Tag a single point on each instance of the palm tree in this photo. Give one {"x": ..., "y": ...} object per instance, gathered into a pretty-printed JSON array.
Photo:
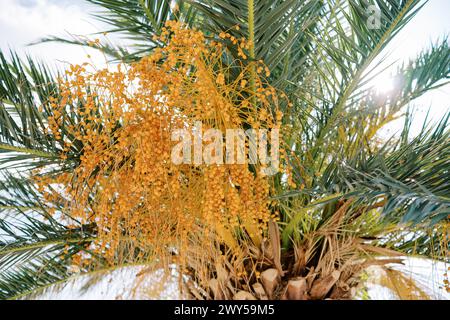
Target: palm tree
[{"x": 353, "y": 196}]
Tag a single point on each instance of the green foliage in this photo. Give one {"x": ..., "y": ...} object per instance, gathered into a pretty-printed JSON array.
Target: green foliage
[
  {"x": 323, "y": 55},
  {"x": 35, "y": 248}
]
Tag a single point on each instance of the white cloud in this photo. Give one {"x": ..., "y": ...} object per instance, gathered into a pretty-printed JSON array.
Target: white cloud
[{"x": 25, "y": 21}]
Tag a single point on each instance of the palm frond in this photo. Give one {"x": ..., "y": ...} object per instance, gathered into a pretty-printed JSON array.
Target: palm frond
[
  {"x": 35, "y": 248},
  {"x": 413, "y": 178},
  {"x": 137, "y": 21},
  {"x": 345, "y": 49}
]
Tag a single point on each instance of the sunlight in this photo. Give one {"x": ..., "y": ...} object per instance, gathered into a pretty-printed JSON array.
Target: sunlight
[
  {"x": 383, "y": 84},
  {"x": 224, "y": 150}
]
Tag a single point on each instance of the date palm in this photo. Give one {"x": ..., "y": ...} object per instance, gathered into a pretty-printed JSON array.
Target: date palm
[{"x": 355, "y": 196}]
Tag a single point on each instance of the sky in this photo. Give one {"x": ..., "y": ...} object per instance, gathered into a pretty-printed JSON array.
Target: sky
[
  {"x": 25, "y": 21},
  {"x": 427, "y": 27}
]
